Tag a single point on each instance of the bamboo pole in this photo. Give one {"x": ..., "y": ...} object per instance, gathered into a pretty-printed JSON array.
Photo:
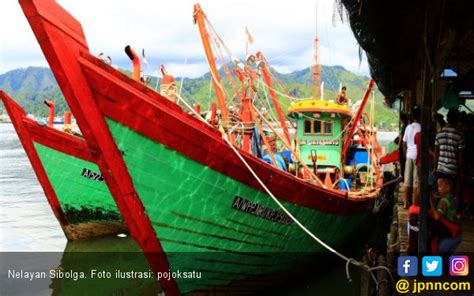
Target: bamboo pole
[
  {"x": 273, "y": 96},
  {"x": 265, "y": 140},
  {"x": 199, "y": 17}
]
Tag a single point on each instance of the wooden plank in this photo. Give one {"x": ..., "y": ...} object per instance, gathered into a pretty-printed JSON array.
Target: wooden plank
[
  {"x": 402, "y": 215},
  {"x": 467, "y": 236},
  {"x": 467, "y": 227},
  {"x": 402, "y": 229}
]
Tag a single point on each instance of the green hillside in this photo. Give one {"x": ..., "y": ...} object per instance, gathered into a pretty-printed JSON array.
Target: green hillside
[{"x": 32, "y": 85}]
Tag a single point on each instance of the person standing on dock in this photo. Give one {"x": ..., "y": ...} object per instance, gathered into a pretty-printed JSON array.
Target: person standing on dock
[
  {"x": 449, "y": 153},
  {"x": 411, "y": 173},
  {"x": 401, "y": 151},
  {"x": 437, "y": 124}
]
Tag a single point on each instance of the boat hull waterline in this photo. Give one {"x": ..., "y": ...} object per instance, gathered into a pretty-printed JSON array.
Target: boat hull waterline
[{"x": 69, "y": 176}]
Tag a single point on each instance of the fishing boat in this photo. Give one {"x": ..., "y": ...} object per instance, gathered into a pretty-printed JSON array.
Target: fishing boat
[
  {"x": 67, "y": 170},
  {"x": 193, "y": 198}
]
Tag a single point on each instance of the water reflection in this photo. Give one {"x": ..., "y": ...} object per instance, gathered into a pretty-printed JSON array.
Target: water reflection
[
  {"x": 104, "y": 266},
  {"x": 111, "y": 266}
]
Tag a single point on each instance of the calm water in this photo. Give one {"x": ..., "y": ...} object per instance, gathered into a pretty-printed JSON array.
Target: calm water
[{"x": 27, "y": 224}]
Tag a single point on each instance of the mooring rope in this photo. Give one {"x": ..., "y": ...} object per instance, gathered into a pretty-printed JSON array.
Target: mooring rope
[{"x": 284, "y": 209}]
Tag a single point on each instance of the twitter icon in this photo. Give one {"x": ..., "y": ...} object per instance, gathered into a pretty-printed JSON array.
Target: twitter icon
[{"x": 432, "y": 266}]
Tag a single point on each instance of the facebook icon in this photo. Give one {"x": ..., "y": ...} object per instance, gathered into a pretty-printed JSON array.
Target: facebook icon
[{"x": 407, "y": 266}]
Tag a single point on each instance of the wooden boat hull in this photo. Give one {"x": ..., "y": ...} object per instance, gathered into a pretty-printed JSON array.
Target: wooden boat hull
[
  {"x": 233, "y": 231},
  {"x": 69, "y": 175},
  {"x": 188, "y": 200}
]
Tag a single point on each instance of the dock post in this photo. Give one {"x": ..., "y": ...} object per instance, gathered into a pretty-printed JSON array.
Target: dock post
[
  {"x": 392, "y": 246},
  {"x": 382, "y": 278},
  {"x": 365, "y": 283}
]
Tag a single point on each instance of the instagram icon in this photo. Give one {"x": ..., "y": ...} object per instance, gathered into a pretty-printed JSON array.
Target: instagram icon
[{"x": 459, "y": 265}]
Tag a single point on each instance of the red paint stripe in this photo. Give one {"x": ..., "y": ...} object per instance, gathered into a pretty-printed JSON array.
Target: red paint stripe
[
  {"x": 61, "y": 38},
  {"x": 60, "y": 141},
  {"x": 187, "y": 135},
  {"x": 17, "y": 115}
]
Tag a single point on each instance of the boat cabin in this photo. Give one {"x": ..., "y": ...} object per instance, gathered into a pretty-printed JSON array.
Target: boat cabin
[{"x": 319, "y": 138}]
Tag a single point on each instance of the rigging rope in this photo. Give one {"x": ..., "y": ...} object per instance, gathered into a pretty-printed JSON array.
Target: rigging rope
[
  {"x": 284, "y": 209},
  {"x": 182, "y": 78},
  {"x": 295, "y": 220}
]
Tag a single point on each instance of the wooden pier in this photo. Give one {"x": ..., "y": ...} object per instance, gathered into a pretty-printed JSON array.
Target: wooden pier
[{"x": 399, "y": 243}]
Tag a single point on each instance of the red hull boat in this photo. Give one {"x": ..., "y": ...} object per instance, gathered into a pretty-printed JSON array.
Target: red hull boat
[
  {"x": 67, "y": 171},
  {"x": 179, "y": 186}
]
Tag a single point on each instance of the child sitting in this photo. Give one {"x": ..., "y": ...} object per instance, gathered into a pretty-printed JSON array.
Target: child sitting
[{"x": 445, "y": 231}]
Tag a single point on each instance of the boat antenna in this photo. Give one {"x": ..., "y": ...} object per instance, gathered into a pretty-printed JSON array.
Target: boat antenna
[{"x": 316, "y": 67}]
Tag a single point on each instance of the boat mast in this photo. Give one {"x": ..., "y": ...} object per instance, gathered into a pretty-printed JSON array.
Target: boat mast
[
  {"x": 246, "y": 78},
  {"x": 199, "y": 18},
  {"x": 355, "y": 121},
  {"x": 316, "y": 67},
  {"x": 268, "y": 81}
]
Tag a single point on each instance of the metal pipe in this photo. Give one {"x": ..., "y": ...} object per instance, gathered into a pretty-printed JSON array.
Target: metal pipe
[
  {"x": 136, "y": 62},
  {"x": 50, "y": 105}
]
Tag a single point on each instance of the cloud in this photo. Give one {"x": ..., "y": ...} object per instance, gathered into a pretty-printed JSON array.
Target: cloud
[{"x": 283, "y": 31}]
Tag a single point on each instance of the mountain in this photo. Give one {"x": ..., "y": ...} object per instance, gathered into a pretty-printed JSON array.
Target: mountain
[{"x": 32, "y": 85}]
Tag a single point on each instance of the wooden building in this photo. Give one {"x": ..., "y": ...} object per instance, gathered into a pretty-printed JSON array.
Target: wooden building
[{"x": 410, "y": 47}]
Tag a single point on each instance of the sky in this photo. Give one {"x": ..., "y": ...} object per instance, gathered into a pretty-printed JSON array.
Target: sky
[{"x": 283, "y": 30}]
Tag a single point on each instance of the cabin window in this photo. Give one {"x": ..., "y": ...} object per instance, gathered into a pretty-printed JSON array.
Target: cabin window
[
  {"x": 307, "y": 127},
  {"x": 328, "y": 127},
  {"x": 317, "y": 126}
]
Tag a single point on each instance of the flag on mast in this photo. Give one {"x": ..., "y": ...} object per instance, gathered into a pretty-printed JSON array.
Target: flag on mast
[{"x": 249, "y": 36}]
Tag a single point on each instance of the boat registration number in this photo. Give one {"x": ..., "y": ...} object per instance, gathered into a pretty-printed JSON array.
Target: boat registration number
[{"x": 253, "y": 208}]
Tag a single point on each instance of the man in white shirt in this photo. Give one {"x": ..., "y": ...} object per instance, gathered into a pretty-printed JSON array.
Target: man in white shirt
[{"x": 411, "y": 172}]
